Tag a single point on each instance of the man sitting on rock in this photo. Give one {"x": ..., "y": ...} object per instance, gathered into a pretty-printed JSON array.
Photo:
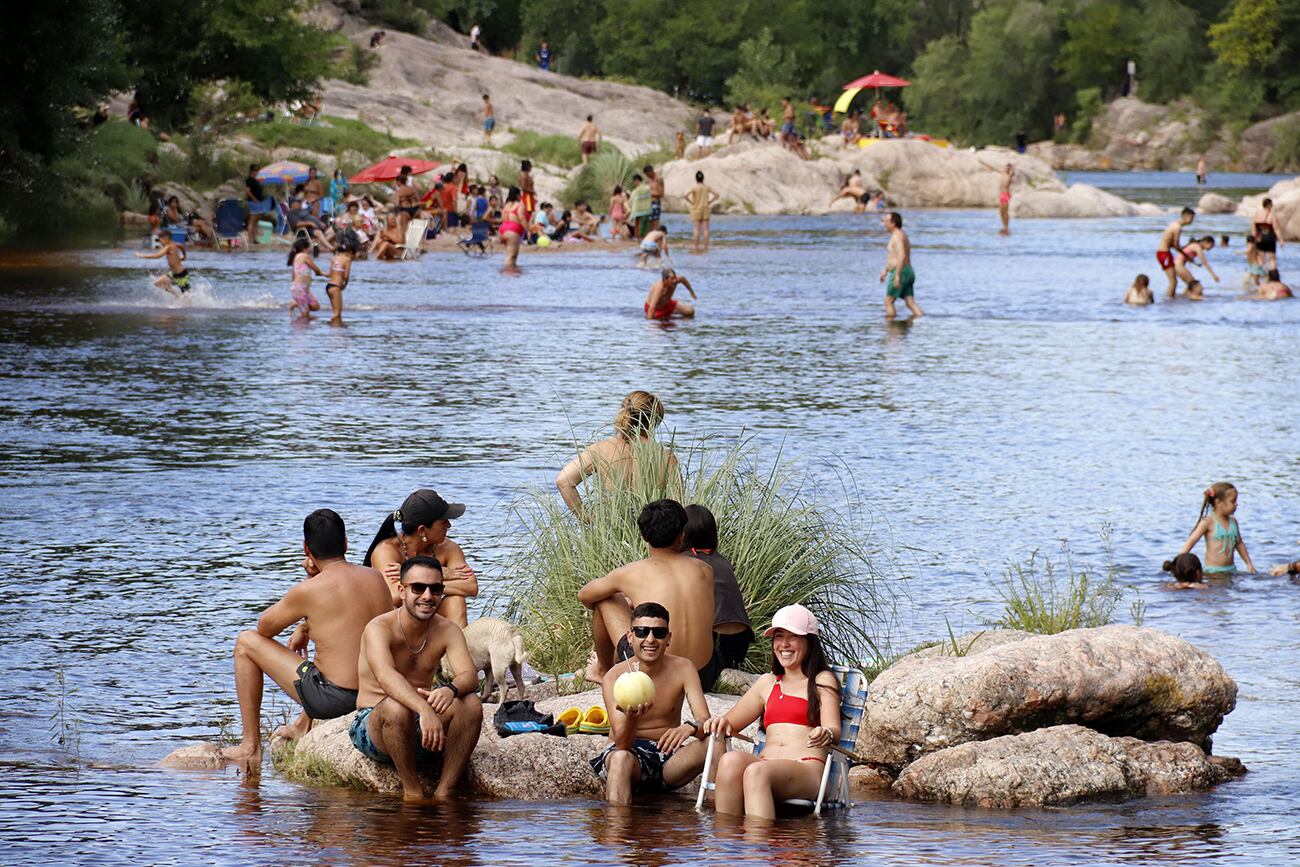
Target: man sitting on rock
[
  {"x": 681, "y": 584},
  {"x": 649, "y": 753},
  {"x": 335, "y": 603},
  {"x": 403, "y": 720}
]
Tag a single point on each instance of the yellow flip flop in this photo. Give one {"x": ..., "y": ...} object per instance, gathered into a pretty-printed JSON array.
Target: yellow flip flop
[
  {"x": 594, "y": 722},
  {"x": 571, "y": 719}
]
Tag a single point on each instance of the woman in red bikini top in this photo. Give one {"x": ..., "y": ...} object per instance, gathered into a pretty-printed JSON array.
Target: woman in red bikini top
[{"x": 801, "y": 722}]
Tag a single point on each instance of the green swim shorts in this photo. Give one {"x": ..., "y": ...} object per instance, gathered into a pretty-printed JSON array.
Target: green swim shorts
[{"x": 902, "y": 287}]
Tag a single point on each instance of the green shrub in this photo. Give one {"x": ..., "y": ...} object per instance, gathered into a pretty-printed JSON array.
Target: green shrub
[
  {"x": 1089, "y": 106},
  {"x": 1036, "y": 599},
  {"x": 1285, "y": 155},
  {"x": 551, "y": 150},
  {"x": 334, "y": 136},
  {"x": 596, "y": 182},
  {"x": 351, "y": 62},
  {"x": 785, "y": 544},
  {"x": 119, "y": 148}
]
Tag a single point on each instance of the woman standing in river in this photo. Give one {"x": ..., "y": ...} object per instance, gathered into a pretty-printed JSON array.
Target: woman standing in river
[
  {"x": 1267, "y": 233},
  {"x": 621, "y": 460}
]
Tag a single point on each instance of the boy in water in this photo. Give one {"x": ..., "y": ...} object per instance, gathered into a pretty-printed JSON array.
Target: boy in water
[
  {"x": 655, "y": 243},
  {"x": 649, "y": 753},
  {"x": 1171, "y": 239},
  {"x": 660, "y": 304},
  {"x": 898, "y": 266},
  {"x": 177, "y": 281}
]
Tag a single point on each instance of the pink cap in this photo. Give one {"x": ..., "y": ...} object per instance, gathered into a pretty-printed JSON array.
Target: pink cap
[{"x": 795, "y": 619}]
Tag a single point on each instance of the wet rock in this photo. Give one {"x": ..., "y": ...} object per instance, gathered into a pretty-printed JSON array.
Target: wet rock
[
  {"x": 1213, "y": 203},
  {"x": 1119, "y": 680},
  {"x": 195, "y": 757},
  {"x": 1080, "y": 200},
  {"x": 1057, "y": 765},
  {"x": 531, "y": 767}
]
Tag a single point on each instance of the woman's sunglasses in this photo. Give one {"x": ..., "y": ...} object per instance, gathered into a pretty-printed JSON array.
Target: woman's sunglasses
[{"x": 660, "y": 632}]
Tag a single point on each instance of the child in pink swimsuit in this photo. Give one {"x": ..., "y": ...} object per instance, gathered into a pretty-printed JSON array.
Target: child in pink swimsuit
[{"x": 303, "y": 264}]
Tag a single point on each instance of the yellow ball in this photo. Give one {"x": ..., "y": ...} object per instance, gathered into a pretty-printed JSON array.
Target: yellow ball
[
  {"x": 543, "y": 241},
  {"x": 633, "y": 689}
]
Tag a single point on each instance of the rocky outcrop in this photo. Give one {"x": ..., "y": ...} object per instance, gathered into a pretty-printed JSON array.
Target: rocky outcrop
[
  {"x": 1286, "y": 206},
  {"x": 1080, "y": 200},
  {"x": 1213, "y": 203},
  {"x": 1059, "y": 765},
  {"x": 1119, "y": 680},
  {"x": 969, "y": 644},
  {"x": 532, "y": 767}
]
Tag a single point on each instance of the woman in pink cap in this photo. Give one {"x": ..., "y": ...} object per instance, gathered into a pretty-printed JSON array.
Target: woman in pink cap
[{"x": 801, "y": 722}]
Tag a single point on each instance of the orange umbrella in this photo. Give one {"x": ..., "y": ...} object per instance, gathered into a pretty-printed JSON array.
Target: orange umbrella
[{"x": 389, "y": 168}]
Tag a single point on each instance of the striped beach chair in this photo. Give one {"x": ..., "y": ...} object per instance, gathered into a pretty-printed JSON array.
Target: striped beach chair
[{"x": 834, "y": 790}]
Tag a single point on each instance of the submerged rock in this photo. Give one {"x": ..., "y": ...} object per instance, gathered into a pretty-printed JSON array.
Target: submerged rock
[
  {"x": 1059, "y": 765},
  {"x": 1119, "y": 680},
  {"x": 195, "y": 757}
]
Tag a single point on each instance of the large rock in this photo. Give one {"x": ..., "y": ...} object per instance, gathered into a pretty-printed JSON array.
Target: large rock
[
  {"x": 1119, "y": 680},
  {"x": 917, "y": 174},
  {"x": 759, "y": 178},
  {"x": 1213, "y": 203},
  {"x": 531, "y": 767},
  {"x": 1059, "y": 765},
  {"x": 1286, "y": 206},
  {"x": 1080, "y": 200}
]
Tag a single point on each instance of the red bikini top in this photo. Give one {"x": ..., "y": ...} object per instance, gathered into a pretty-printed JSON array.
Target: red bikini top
[{"x": 782, "y": 708}]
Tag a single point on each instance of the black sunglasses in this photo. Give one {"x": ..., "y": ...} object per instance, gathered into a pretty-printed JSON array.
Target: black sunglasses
[
  {"x": 420, "y": 588},
  {"x": 660, "y": 632}
]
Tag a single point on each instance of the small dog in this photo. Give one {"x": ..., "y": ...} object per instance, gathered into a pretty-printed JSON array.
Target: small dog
[{"x": 496, "y": 646}]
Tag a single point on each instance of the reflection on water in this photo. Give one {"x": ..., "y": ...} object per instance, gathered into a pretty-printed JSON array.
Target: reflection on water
[{"x": 157, "y": 459}]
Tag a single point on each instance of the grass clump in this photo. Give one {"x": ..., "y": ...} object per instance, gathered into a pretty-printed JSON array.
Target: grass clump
[
  {"x": 596, "y": 182},
  {"x": 551, "y": 150},
  {"x": 334, "y": 136},
  {"x": 308, "y": 769},
  {"x": 786, "y": 545},
  {"x": 1047, "y": 597}
]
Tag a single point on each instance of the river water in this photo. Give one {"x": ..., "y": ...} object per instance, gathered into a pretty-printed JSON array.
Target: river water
[{"x": 157, "y": 459}]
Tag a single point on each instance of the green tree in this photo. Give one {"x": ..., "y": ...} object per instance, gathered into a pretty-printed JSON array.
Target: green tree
[
  {"x": 1256, "y": 46},
  {"x": 501, "y": 20},
  {"x": 1101, "y": 38},
  {"x": 937, "y": 96},
  {"x": 1172, "y": 53},
  {"x": 766, "y": 73}
]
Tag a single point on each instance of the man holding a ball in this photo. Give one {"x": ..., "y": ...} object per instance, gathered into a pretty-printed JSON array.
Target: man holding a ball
[{"x": 650, "y": 753}]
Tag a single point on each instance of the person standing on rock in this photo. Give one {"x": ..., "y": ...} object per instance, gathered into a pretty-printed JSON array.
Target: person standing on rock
[
  {"x": 1004, "y": 198},
  {"x": 1268, "y": 235},
  {"x": 898, "y": 267},
  {"x": 402, "y": 720},
  {"x": 1171, "y": 240},
  {"x": 588, "y": 140},
  {"x": 704, "y": 133},
  {"x": 331, "y": 607},
  {"x": 700, "y": 199},
  {"x": 649, "y": 753},
  {"x": 656, "y": 183},
  {"x": 489, "y": 119},
  {"x": 788, "y": 137},
  {"x": 544, "y": 56},
  {"x": 474, "y": 33}
]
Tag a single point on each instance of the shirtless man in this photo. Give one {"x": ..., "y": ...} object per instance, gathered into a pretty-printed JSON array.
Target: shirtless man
[
  {"x": 588, "y": 139},
  {"x": 527, "y": 192},
  {"x": 402, "y": 719},
  {"x": 1171, "y": 240},
  {"x": 1189, "y": 254},
  {"x": 406, "y": 200},
  {"x": 312, "y": 192},
  {"x": 656, "y": 183},
  {"x": 854, "y": 190},
  {"x": 649, "y": 753},
  {"x": 898, "y": 266},
  {"x": 1004, "y": 199},
  {"x": 332, "y": 607},
  {"x": 788, "y": 137},
  {"x": 680, "y": 583},
  {"x": 489, "y": 118},
  {"x": 739, "y": 125},
  {"x": 660, "y": 304},
  {"x": 177, "y": 280}
]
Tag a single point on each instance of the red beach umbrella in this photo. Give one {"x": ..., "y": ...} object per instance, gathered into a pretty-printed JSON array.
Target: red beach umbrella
[
  {"x": 389, "y": 168},
  {"x": 877, "y": 80}
]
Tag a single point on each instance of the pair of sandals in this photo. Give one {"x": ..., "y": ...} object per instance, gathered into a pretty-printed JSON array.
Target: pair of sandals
[{"x": 594, "y": 721}]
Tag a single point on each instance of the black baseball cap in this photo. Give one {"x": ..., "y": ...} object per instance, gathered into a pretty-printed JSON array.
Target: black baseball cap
[{"x": 425, "y": 507}]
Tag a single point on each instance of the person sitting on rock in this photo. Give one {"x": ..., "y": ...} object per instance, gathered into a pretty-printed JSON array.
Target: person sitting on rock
[
  {"x": 680, "y": 583},
  {"x": 336, "y": 601},
  {"x": 403, "y": 720},
  {"x": 800, "y": 707},
  {"x": 732, "y": 632},
  {"x": 649, "y": 752}
]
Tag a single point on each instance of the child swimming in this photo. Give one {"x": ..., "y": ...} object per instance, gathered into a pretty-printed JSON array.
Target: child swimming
[
  {"x": 1139, "y": 294},
  {"x": 303, "y": 264},
  {"x": 177, "y": 280},
  {"x": 1186, "y": 569},
  {"x": 1222, "y": 536}
]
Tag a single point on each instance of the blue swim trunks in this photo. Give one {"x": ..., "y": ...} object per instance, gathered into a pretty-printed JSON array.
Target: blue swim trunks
[
  {"x": 359, "y": 732},
  {"x": 489, "y": 123}
]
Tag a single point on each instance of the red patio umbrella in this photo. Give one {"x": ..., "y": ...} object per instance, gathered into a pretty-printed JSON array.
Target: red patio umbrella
[
  {"x": 389, "y": 168},
  {"x": 877, "y": 80}
]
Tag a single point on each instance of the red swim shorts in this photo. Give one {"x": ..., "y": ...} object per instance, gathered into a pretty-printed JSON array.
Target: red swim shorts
[
  {"x": 662, "y": 312},
  {"x": 589, "y": 147},
  {"x": 1165, "y": 258},
  {"x": 1004, "y": 198}
]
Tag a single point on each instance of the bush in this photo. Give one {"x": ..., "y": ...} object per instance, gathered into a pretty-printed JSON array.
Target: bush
[
  {"x": 786, "y": 547},
  {"x": 1035, "y": 600},
  {"x": 551, "y": 150},
  {"x": 1285, "y": 155},
  {"x": 1089, "y": 106},
  {"x": 334, "y": 136},
  {"x": 352, "y": 62},
  {"x": 119, "y": 148},
  {"x": 596, "y": 182}
]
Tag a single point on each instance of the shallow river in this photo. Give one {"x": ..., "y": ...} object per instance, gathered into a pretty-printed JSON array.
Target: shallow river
[{"x": 157, "y": 460}]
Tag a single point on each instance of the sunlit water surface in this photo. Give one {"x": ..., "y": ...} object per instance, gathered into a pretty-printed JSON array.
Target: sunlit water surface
[{"x": 158, "y": 457}]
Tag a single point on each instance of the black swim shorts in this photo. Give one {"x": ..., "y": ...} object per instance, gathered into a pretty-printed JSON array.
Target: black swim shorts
[
  {"x": 651, "y": 778},
  {"x": 320, "y": 698}
]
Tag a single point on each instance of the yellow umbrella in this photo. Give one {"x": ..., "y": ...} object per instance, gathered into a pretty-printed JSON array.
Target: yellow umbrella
[{"x": 842, "y": 104}]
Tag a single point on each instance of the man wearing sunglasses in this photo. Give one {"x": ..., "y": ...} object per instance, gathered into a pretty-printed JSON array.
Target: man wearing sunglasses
[
  {"x": 649, "y": 753},
  {"x": 681, "y": 584},
  {"x": 403, "y": 720},
  {"x": 338, "y": 599}
]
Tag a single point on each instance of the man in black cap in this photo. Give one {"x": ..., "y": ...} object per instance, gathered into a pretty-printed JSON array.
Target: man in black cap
[
  {"x": 417, "y": 529},
  {"x": 338, "y": 599}
]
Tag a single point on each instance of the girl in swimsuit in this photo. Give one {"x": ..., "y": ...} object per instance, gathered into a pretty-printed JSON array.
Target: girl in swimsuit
[
  {"x": 341, "y": 272},
  {"x": 617, "y": 215},
  {"x": 1222, "y": 535},
  {"x": 303, "y": 264},
  {"x": 800, "y": 706},
  {"x": 513, "y": 219}
]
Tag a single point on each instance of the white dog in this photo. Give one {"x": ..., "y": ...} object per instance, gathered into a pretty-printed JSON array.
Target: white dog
[{"x": 496, "y": 646}]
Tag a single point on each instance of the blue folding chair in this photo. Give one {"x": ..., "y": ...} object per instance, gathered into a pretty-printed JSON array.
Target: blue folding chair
[
  {"x": 480, "y": 236},
  {"x": 833, "y": 793},
  {"x": 228, "y": 221}
]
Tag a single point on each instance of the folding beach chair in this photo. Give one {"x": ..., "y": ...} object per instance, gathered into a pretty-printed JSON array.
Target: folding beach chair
[
  {"x": 476, "y": 244},
  {"x": 228, "y": 222},
  {"x": 834, "y": 790},
  {"x": 414, "y": 236}
]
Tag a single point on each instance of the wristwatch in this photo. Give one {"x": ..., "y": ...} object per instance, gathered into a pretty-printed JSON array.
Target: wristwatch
[{"x": 452, "y": 686}]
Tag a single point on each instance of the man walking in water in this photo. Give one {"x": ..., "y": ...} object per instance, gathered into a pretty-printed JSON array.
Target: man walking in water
[
  {"x": 1171, "y": 242},
  {"x": 336, "y": 601},
  {"x": 403, "y": 720},
  {"x": 1004, "y": 199},
  {"x": 898, "y": 267},
  {"x": 588, "y": 139}
]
